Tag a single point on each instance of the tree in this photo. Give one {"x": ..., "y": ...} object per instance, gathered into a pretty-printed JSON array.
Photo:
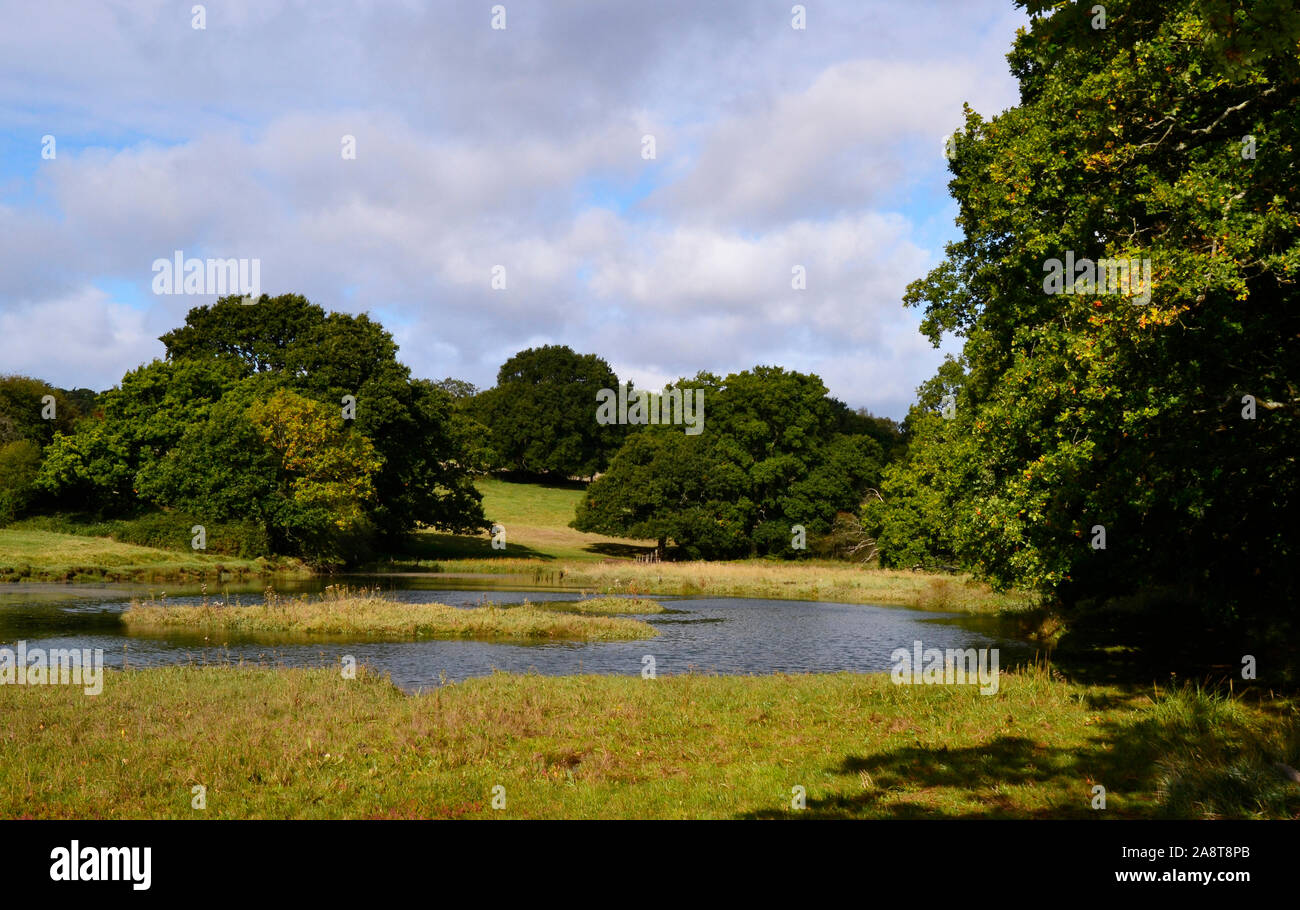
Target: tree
[
  {"x": 20, "y": 461},
  {"x": 327, "y": 466},
  {"x": 1167, "y": 138},
  {"x": 770, "y": 457},
  {"x": 425, "y": 477},
  {"x": 664, "y": 484},
  {"x": 261, "y": 336},
  {"x": 542, "y": 413},
  {"x": 137, "y": 423},
  {"x": 279, "y": 413},
  {"x": 24, "y": 404}
]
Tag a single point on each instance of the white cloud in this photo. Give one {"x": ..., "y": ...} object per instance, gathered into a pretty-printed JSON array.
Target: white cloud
[
  {"x": 476, "y": 148},
  {"x": 84, "y": 339}
]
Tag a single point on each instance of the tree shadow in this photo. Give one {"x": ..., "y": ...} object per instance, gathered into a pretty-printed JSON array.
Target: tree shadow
[
  {"x": 1124, "y": 758},
  {"x": 619, "y": 550},
  {"x": 432, "y": 546}
]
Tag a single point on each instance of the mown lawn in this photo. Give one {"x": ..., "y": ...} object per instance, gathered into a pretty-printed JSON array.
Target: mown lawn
[{"x": 272, "y": 743}]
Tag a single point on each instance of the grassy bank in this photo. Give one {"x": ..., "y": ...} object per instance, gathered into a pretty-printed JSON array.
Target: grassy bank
[
  {"x": 307, "y": 743},
  {"x": 758, "y": 578},
  {"x": 36, "y": 555},
  {"x": 367, "y": 615}
]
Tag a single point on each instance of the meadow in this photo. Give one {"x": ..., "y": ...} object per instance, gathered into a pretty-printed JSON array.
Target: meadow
[{"x": 292, "y": 743}]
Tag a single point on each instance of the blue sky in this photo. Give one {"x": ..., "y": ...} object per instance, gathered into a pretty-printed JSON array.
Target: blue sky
[{"x": 479, "y": 147}]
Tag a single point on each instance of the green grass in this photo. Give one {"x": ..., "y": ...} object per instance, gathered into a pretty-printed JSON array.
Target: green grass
[
  {"x": 804, "y": 580},
  {"x": 368, "y": 615},
  {"x": 35, "y": 555},
  {"x": 536, "y": 518},
  {"x": 310, "y": 744},
  {"x": 637, "y": 606}
]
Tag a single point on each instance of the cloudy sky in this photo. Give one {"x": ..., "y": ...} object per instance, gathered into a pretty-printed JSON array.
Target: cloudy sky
[{"x": 478, "y": 147}]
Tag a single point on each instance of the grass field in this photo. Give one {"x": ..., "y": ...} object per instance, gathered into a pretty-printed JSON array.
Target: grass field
[
  {"x": 368, "y": 615},
  {"x": 536, "y": 520},
  {"x": 813, "y": 580},
  {"x": 32, "y": 555},
  {"x": 310, "y": 744}
]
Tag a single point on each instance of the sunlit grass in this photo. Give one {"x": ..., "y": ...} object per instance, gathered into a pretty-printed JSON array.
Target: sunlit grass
[
  {"x": 309, "y": 743},
  {"x": 628, "y": 605},
  {"x": 828, "y": 581},
  {"x": 33, "y": 555}
]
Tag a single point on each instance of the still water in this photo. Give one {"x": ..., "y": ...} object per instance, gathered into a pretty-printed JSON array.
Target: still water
[{"x": 699, "y": 634}]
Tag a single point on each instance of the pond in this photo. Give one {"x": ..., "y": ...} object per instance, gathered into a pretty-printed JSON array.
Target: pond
[{"x": 697, "y": 634}]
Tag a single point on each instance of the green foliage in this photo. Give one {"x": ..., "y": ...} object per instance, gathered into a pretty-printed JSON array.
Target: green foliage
[
  {"x": 425, "y": 477},
  {"x": 262, "y": 337},
  {"x": 245, "y": 421},
  {"x": 20, "y": 461},
  {"x": 163, "y": 530},
  {"x": 1092, "y": 409},
  {"x": 22, "y": 408},
  {"x": 139, "y": 421},
  {"x": 220, "y": 467},
  {"x": 542, "y": 413},
  {"x": 770, "y": 457}
]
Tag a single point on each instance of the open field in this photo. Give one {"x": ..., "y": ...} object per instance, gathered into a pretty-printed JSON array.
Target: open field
[
  {"x": 539, "y": 545},
  {"x": 365, "y": 615},
  {"x": 32, "y": 555},
  {"x": 536, "y": 518},
  {"x": 309, "y": 744}
]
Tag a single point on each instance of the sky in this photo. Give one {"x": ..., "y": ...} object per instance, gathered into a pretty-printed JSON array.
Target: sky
[{"x": 476, "y": 147}]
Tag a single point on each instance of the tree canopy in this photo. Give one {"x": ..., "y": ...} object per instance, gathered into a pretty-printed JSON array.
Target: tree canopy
[
  {"x": 540, "y": 413},
  {"x": 771, "y": 456},
  {"x": 280, "y": 413},
  {"x": 1104, "y": 442}
]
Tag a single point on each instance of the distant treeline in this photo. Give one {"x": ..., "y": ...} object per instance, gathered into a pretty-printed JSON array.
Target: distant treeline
[{"x": 281, "y": 423}]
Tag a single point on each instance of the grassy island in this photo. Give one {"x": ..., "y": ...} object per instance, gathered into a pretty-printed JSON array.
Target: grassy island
[{"x": 368, "y": 614}]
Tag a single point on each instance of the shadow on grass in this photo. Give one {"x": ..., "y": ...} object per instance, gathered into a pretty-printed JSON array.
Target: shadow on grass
[
  {"x": 1195, "y": 761},
  {"x": 540, "y": 480},
  {"x": 1006, "y": 761},
  {"x": 618, "y": 550},
  {"x": 432, "y": 546}
]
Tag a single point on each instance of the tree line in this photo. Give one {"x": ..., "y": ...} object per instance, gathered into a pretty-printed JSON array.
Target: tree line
[{"x": 299, "y": 432}]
